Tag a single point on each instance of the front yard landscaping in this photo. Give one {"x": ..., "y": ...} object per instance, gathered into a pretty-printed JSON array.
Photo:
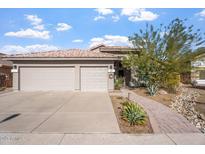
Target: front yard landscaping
[
  {"x": 141, "y": 126},
  {"x": 163, "y": 98},
  {"x": 188, "y": 101},
  {"x": 166, "y": 98}
]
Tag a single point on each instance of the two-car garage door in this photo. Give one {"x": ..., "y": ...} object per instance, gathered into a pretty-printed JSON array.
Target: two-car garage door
[
  {"x": 47, "y": 78},
  {"x": 63, "y": 78}
]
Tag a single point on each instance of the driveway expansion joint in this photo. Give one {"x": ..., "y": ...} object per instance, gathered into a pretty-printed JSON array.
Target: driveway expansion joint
[
  {"x": 53, "y": 113},
  {"x": 171, "y": 139},
  {"x": 61, "y": 139}
]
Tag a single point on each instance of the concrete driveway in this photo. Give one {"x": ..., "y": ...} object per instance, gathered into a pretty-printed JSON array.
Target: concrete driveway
[{"x": 57, "y": 112}]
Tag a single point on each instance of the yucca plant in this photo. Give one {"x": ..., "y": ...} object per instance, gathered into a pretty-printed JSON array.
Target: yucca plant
[{"x": 133, "y": 113}]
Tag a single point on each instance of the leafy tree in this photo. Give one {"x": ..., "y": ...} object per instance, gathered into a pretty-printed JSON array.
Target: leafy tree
[{"x": 164, "y": 53}]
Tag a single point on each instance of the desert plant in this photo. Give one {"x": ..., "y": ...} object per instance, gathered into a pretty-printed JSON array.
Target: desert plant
[
  {"x": 171, "y": 82},
  {"x": 133, "y": 113},
  {"x": 119, "y": 83},
  {"x": 152, "y": 89}
]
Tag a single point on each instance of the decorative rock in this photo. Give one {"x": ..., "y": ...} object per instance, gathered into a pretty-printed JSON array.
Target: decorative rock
[
  {"x": 185, "y": 105},
  {"x": 198, "y": 125},
  {"x": 202, "y": 116},
  {"x": 162, "y": 92}
]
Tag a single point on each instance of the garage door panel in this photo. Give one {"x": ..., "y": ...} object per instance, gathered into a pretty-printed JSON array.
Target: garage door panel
[
  {"x": 59, "y": 78},
  {"x": 94, "y": 79}
]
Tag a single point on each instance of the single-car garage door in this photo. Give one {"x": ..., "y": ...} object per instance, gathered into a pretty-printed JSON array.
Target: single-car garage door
[
  {"x": 94, "y": 79},
  {"x": 47, "y": 78}
]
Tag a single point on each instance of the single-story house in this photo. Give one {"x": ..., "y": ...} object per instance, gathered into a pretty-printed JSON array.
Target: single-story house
[
  {"x": 74, "y": 69},
  {"x": 5, "y": 72},
  {"x": 198, "y": 71}
]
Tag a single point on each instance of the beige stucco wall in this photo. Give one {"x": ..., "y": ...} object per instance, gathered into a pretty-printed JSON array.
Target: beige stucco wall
[
  {"x": 195, "y": 73},
  {"x": 76, "y": 64},
  {"x": 196, "y": 70},
  {"x": 15, "y": 81}
]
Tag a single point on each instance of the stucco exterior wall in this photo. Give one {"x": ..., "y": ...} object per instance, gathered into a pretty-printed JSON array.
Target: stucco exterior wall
[
  {"x": 15, "y": 81},
  {"x": 76, "y": 64},
  {"x": 198, "y": 66}
]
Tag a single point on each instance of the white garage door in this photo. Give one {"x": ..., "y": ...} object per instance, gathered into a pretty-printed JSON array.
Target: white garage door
[
  {"x": 47, "y": 78},
  {"x": 94, "y": 79}
]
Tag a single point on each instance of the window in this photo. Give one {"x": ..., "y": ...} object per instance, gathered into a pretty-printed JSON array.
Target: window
[{"x": 202, "y": 74}]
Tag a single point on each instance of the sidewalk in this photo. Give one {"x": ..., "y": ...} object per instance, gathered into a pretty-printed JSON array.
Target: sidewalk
[{"x": 102, "y": 139}]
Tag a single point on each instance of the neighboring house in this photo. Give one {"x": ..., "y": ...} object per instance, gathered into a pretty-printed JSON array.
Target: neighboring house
[
  {"x": 5, "y": 72},
  {"x": 74, "y": 69},
  {"x": 198, "y": 71}
]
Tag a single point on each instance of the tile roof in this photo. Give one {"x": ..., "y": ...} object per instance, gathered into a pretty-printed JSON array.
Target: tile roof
[
  {"x": 71, "y": 53},
  {"x": 5, "y": 63},
  {"x": 118, "y": 47}
]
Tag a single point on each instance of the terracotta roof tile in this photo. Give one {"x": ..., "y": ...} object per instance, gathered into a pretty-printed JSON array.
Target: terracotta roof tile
[
  {"x": 71, "y": 53},
  {"x": 5, "y": 63}
]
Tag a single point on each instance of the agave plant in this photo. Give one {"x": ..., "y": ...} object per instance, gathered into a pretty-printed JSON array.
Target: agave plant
[
  {"x": 133, "y": 113},
  {"x": 152, "y": 89}
]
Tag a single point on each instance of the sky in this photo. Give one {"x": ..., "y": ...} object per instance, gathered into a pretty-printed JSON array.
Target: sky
[{"x": 34, "y": 30}]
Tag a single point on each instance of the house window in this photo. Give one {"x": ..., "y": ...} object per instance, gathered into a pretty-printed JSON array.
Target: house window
[{"x": 202, "y": 74}]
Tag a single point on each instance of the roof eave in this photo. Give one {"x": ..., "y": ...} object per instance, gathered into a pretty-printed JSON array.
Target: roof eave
[
  {"x": 107, "y": 49},
  {"x": 61, "y": 58},
  {"x": 6, "y": 66}
]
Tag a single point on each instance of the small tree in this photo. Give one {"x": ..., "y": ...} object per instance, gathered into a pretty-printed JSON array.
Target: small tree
[{"x": 164, "y": 53}]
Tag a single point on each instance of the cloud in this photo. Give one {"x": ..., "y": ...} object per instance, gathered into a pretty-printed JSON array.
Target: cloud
[
  {"x": 115, "y": 18},
  {"x": 77, "y": 41},
  {"x": 99, "y": 18},
  {"x": 29, "y": 33},
  {"x": 37, "y": 31},
  {"x": 35, "y": 21},
  {"x": 201, "y": 15},
  {"x": 63, "y": 27},
  {"x": 39, "y": 27},
  {"x": 136, "y": 15},
  {"x": 112, "y": 40},
  {"x": 16, "y": 49},
  {"x": 104, "y": 11}
]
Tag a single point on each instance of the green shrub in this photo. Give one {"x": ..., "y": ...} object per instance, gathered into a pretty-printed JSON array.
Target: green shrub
[
  {"x": 171, "y": 82},
  {"x": 133, "y": 113},
  {"x": 119, "y": 83}
]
